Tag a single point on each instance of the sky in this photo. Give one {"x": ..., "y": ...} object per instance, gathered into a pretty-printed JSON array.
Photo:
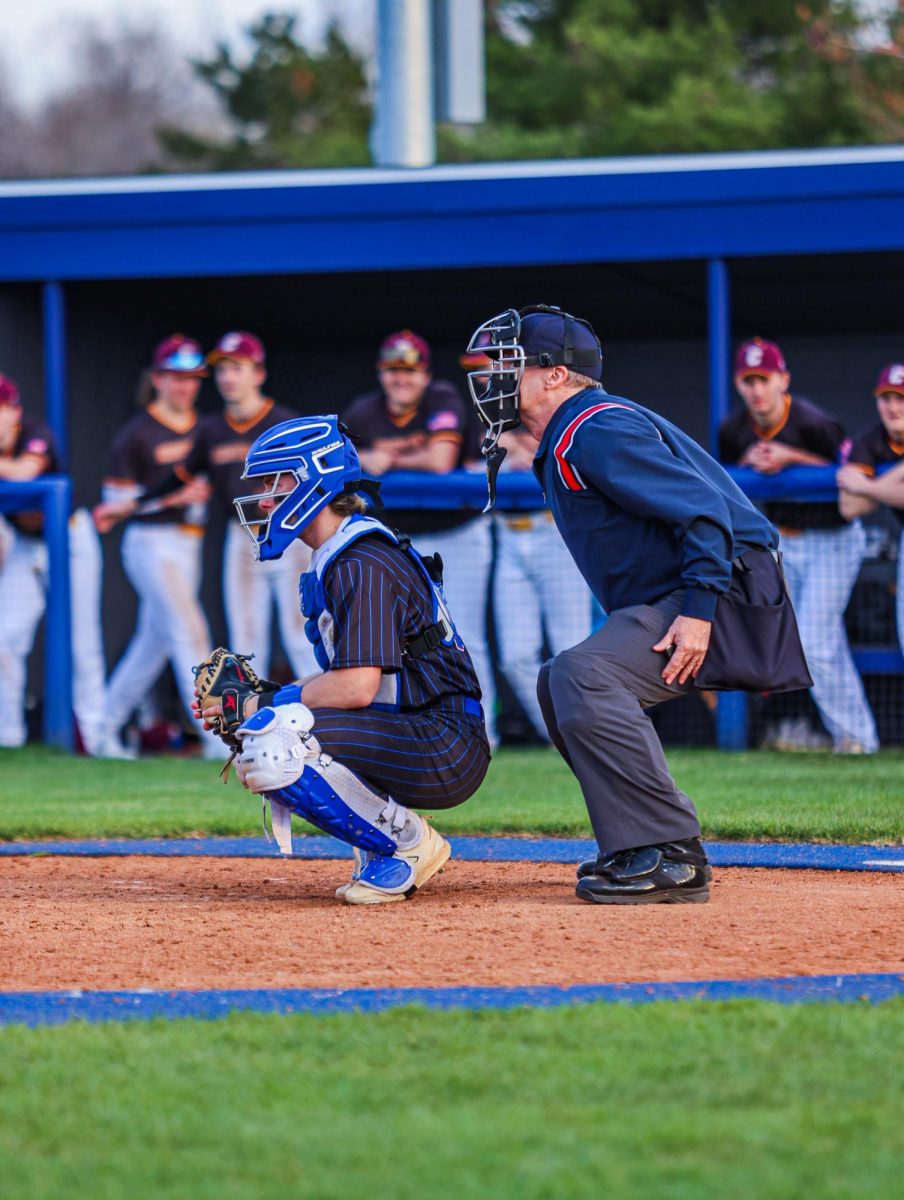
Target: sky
[{"x": 34, "y": 50}]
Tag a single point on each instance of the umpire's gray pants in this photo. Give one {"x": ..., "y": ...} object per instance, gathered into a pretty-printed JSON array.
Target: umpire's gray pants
[{"x": 592, "y": 697}]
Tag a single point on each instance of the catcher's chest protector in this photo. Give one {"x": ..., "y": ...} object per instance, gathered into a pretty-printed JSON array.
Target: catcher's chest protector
[{"x": 321, "y": 627}]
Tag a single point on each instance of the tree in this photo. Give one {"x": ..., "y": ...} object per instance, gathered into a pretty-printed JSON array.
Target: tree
[
  {"x": 608, "y": 77},
  {"x": 102, "y": 120},
  {"x": 287, "y": 106},
  {"x": 14, "y": 153}
]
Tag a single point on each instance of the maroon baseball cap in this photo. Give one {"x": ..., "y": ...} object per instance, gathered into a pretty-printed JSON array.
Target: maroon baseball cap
[
  {"x": 758, "y": 357},
  {"x": 891, "y": 379},
  {"x": 238, "y": 344},
  {"x": 180, "y": 354},
  {"x": 9, "y": 393},
  {"x": 405, "y": 350}
]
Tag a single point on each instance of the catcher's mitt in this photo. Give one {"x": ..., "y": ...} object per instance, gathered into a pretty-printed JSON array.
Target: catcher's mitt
[{"x": 227, "y": 679}]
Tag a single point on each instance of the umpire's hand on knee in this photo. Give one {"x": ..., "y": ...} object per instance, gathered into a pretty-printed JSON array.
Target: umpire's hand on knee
[{"x": 688, "y": 640}]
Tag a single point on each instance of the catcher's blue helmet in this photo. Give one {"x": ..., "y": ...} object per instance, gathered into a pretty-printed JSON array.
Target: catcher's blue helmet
[{"x": 309, "y": 461}]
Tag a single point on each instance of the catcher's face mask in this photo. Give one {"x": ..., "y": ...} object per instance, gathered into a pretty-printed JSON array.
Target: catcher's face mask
[{"x": 303, "y": 465}]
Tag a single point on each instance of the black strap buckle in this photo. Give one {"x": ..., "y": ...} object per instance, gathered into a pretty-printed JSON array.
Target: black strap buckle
[{"x": 430, "y": 639}]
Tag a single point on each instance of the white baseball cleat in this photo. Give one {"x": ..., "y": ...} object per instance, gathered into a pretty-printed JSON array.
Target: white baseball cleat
[
  {"x": 385, "y": 880},
  {"x": 343, "y": 887}
]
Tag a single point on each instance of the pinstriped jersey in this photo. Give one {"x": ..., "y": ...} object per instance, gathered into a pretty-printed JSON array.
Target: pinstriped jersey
[{"x": 379, "y": 601}]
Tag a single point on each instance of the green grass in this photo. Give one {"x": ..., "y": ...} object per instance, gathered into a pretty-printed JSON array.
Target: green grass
[
  {"x": 677, "y": 1101},
  {"x": 759, "y": 795}
]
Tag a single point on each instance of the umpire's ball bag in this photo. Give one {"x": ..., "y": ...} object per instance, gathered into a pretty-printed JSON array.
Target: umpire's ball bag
[{"x": 755, "y": 645}]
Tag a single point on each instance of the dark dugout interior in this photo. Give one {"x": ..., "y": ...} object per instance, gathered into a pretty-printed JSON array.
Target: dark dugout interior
[{"x": 838, "y": 319}]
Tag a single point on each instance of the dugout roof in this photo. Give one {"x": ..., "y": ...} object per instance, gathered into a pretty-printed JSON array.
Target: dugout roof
[{"x": 579, "y": 211}]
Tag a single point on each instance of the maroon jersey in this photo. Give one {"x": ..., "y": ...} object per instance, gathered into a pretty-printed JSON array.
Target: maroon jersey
[
  {"x": 876, "y": 449},
  {"x": 145, "y": 452},
  {"x": 220, "y": 449},
  {"x": 34, "y": 437},
  {"x": 442, "y": 415},
  {"x": 804, "y": 426}
]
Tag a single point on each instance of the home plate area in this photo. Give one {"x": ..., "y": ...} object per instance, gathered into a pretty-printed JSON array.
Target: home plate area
[{"x": 104, "y": 934}]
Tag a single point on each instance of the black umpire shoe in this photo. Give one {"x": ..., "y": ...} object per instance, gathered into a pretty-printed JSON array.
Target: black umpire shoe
[{"x": 671, "y": 873}]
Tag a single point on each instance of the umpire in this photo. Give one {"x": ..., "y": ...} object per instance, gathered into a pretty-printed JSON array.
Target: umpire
[{"x": 654, "y": 525}]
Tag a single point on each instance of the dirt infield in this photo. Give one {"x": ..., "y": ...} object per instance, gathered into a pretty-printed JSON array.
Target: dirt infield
[{"x": 238, "y": 923}]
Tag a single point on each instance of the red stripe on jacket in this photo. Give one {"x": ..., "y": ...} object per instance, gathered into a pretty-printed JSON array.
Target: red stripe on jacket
[{"x": 569, "y": 476}]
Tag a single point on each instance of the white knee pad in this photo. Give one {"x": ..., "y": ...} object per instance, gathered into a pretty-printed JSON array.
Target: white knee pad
[
  {"x": 275, "y": 744},
  {"x": 282, "y": 760}
]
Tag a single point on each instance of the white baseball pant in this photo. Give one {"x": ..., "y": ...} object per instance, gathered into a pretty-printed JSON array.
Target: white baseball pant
[
  {"x": 250, "y": 589},
  {"x": 23, "y": 598},
  {"x": 163, "y": 564},
  {"x": 821, "y": 567},
  {"x": 536, "y": 587}
]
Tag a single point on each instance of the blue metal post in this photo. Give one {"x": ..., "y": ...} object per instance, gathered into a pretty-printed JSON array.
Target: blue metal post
[
  {"x": 56, "y": 414},
  {"x": 719, "y": 330},
  {"x": 731, "y": 721},
  {"x": 731, "y": 713},
  {"x": 58, "y": 644}
]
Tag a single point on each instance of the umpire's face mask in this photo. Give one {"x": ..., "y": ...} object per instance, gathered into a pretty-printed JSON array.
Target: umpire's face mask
[{"x": 496, "y": 387}]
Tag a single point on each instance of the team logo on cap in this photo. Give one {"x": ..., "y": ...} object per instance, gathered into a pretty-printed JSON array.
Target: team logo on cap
[
  {"x": 759, "y": 357},
  {"x": 896, "y": 374},
  {"x": 401, "y": 350},
  {"x": 232, "y": 341},
  {"x": 184, "y": 360}
]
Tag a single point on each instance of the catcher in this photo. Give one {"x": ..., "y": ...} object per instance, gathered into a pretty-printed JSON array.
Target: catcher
[{"x": 394, "y": 721}]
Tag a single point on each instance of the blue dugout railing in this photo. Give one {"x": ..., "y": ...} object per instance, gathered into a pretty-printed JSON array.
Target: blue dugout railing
[
  {"x": 52, "y": 494},
  {"x": 517, "y": 491}
]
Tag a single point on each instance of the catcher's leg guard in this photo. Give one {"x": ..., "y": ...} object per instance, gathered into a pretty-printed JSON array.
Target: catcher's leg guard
[
  {"x": 315, "y": 797},
  {"x": 281, "y": 759},
  {"x": 384, "y": 872}
]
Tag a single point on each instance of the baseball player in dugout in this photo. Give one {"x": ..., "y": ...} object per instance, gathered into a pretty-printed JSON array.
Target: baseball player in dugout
[
  {"x": 654, "y": 525},
  {"x": 27, "y": 452},
  {"x": 217, "y": 456},
  {"x": 161, "y": 547},
  {"x": 414, "y": 422},
  {"x": 881, "y": 449},
  {"x": 393, "y": 721},
  {"x": 822, "y": 549}
]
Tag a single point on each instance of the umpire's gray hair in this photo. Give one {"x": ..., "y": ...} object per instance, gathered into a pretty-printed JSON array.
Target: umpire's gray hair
[{"x": 581, "y": 381}]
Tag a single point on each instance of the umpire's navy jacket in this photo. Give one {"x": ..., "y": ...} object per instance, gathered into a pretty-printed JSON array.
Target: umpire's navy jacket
[{"x": 642, "y": 508}]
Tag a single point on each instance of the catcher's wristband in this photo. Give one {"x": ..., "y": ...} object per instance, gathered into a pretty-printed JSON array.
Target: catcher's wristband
[{"x": 290, "y": 694}]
